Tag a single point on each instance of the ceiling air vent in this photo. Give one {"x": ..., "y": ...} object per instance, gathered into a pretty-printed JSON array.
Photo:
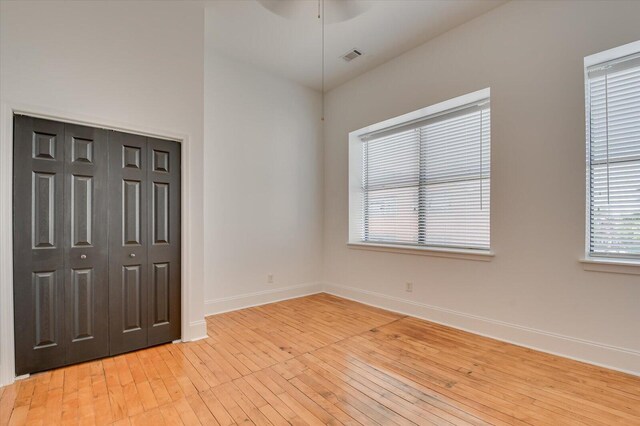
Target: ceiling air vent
[{"x": 351, "y": 55}]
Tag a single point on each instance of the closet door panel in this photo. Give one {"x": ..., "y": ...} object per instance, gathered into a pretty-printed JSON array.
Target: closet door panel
[
  {"x": 38, "y": 244},
  {"x": 128, "y": 239},
  {"x": 164, "y": 245},
  {"x": 86, "y": 243}
]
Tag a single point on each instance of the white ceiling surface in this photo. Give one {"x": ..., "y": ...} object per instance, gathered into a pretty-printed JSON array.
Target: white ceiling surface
[{"x": 246, "y": 31}]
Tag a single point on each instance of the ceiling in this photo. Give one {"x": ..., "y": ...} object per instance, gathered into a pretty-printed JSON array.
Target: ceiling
[{"x": 250, "y": 31}]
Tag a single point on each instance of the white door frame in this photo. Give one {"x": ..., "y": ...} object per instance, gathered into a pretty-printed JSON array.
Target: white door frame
[{"x": 7, "y": 111}]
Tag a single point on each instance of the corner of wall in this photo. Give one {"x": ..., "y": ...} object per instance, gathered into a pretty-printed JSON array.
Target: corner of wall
[{"x": 227, "y": 304}]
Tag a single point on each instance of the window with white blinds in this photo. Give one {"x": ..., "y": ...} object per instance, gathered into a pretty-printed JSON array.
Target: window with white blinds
[
  {"x": 427, "y": 182},
  {"x": 613, "y": 158}
]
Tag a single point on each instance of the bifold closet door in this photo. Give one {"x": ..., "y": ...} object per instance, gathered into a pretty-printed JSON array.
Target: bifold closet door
[
  {"x": 86, "y": 243},
  {"x": 144, "y": 246},
  {"x": 60, "y": 233},
  {"x": 163, "y": 182},
  {"x": 38, "y": 244},
  {"x": 96, "y": 231},
  {"x": 128, "y": 239}
]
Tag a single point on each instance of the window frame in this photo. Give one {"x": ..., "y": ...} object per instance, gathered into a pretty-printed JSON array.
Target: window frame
[
  {"x": 356, "y": 205},
  {"x": 610, "y": 262}
]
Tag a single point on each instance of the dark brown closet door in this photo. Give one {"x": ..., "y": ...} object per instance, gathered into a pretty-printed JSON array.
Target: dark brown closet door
[
  {"x": 38, "y": 244},
  {"x": 163, "y": 177},
  {"x": 128, "y": 230},
  {"x": 86, "y": 244},
  {"x": 96, "y": 243}
]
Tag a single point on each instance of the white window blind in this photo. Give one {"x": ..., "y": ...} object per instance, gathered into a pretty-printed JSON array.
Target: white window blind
[
  {"x": 613, "y": 157},
  {"x": 427, "y": 182}
]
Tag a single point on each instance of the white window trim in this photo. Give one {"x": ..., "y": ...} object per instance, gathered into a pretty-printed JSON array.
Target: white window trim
[
  {"x": 467, "y": 254},
  {"x": 589, "y": 262},
  {"x": 612, "y": 265},
  {"x": 355, "y": 190}
]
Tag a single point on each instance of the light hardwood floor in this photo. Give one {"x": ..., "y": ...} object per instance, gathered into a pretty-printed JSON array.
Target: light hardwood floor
[{"x": 325, "y": 360}]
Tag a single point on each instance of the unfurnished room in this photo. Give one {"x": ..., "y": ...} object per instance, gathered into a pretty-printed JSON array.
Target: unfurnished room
[{"x": 320, "y": 212}]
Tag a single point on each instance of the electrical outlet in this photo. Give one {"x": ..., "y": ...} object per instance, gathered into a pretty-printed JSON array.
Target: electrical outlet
[
  {"x": 408, "y": 287},
  {"x": 270, "y": 278}
]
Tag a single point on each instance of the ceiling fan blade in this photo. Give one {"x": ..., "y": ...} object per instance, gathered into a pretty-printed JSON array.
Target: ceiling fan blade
[{"x": 335, "y": 10}]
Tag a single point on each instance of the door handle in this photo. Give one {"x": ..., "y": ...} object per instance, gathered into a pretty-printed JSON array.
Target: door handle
[{"x": 83, "y": 256}]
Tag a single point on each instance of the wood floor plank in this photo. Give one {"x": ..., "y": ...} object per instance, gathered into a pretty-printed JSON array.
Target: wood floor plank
[
  {"x": 201, "y": 410},
  {"x": 170, "y": 415},
  {"x": 325, "y": 360},
  {"x": 153, "y": 417},
  {"x": 216, "y": 408},
  {"x": 237, "y": 414},
  {"x": 273, "y": 401}
]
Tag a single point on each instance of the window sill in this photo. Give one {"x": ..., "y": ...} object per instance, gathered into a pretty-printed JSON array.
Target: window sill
[
  {"x": 611, "y": 265},
  {"x": 479, "y": 255}
]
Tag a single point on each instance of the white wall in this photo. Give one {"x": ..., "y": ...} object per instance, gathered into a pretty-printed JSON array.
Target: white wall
[
  {"x": 534, "y": 291},
  {"x": 263, "y": 185},
  {"x": 137, "y": 65}
]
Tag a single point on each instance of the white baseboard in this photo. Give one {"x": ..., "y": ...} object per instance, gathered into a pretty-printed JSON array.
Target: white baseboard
[
  {"x": 6, "y": 378},
  {"x": 197, "y": 331},
  {"x": 226, "y": 304},
  {"x": 615, "y": 358}
]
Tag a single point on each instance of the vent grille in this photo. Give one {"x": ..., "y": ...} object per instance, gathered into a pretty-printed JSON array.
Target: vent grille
[{"x": 351, "y": 55}]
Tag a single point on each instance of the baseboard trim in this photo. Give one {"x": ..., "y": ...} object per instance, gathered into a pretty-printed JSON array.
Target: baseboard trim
[
  {"x": 197, "y": 331},
  {"x": 233, "y": 303},
  {"x": 602, "y": 355}
]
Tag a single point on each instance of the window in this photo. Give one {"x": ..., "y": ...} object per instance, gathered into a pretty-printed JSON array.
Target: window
[
  {"x": 613, "y": 153},
  {"x": 424, "y": 178}
]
